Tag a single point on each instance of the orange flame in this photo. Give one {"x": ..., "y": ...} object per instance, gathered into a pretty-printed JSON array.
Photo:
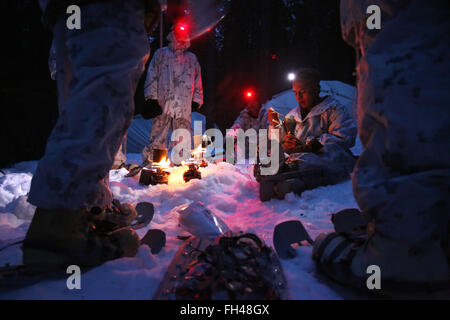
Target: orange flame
[{"x": 164, "y": 164}]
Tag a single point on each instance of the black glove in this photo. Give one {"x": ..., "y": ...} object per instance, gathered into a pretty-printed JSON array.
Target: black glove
[
  {"x": 313, "y": 146},
  {"x": 151, "y": 109},
  {"x": 195, "y": 106}
]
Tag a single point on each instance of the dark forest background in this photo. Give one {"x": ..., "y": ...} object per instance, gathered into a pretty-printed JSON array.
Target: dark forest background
[{"x": 255, "y": 45}]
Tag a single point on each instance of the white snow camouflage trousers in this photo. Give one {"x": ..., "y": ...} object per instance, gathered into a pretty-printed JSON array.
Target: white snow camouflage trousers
[
  {"x": 402, "y": 179},
  {"x": 159, "y": 133},
  {"x": 98, "y": 70}
]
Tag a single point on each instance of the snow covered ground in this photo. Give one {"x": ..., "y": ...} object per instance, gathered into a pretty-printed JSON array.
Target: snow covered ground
[{"x": 230, "y": 192}]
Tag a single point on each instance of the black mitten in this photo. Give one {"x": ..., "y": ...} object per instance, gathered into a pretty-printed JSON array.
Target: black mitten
[
  {"x": 151, "y": 109},
  {"x": 314, "y": 145},
  {"x": 195, "y": 106}
]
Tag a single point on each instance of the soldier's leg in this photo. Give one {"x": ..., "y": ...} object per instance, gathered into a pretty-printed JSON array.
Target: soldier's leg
[
  {"x": 402, "y": 178},
  {"x": 181, "y": 123},
  {"x": 158, "y": 136},
  {"x": 121, "y": 156},
  {"x": 107, "y": 56}
]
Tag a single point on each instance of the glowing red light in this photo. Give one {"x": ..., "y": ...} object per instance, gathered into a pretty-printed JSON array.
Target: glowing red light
[
  {"x": 182, "y": 31},
  {"x": 249, "y": 94}
]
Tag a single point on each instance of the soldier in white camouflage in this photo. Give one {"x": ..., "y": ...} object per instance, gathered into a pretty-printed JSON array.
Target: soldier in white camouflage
[
  {"x": 174, "y": 84},
  {"x": 252, "y": 117},
  {"x": 402, "y": 179},
  {"x": 98, "y": 68},
  {"x": 316, "y": 135}
]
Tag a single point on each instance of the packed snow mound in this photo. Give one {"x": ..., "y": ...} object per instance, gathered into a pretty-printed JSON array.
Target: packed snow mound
[{"x": 230, "y": 192}]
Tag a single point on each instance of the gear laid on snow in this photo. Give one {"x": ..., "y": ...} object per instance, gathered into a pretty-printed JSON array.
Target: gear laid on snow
[{"x": 236, "y": 267}]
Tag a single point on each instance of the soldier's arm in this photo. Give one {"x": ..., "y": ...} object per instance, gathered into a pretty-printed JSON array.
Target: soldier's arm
[
  {"x": 341, "y": 128},
  {"x": 198, "y": 85},
  {"x": 151, "y": 81}
]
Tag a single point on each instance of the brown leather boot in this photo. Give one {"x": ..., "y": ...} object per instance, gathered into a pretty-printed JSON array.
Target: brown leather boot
[{"x": 59, "y": 238}]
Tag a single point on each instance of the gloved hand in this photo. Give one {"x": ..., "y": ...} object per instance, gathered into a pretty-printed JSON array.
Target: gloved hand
[
  {"x": 313, "y": 145},
  {"x": 151, "y": 109},
  {"x": 273, "y": 117},
  {"x": 195, "y": 106},
  {"x": 292, "y": 145}
]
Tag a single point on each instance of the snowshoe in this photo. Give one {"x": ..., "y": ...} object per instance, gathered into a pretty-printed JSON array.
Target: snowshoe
[
  {"x": 145, "y": 211},
  {"x": 155, "y": 239},
  {"x": 20, "y": 276},
  {"x": 233, "y": 267},
  {"x": 287, "y": 233}
]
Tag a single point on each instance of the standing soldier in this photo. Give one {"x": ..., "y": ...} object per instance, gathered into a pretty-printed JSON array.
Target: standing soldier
[
  {"x": 98, "y": 67},
  {"x": 173, "y": 84}
]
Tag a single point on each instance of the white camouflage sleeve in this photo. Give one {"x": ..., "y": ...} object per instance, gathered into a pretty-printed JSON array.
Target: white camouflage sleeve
[
  {"x": 151, "y": 81},
  {"x": 342, "y": 129},
  {"x": 198, "y": 89}
]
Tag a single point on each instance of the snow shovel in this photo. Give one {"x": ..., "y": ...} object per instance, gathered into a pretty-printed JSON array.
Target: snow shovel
[{"x": 287, "y": 233}]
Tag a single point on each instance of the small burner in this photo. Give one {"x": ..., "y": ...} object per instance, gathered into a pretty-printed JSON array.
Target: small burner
[
  {"x": 203, "y": 164},
  {"x": 153, "y": 176},
  {"x": 192, "y": 173}
]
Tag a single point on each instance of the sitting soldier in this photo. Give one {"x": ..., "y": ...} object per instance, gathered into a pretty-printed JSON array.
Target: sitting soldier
[
  {"x": 316, "y": 135},
  {"x": 252, "y": 117}
]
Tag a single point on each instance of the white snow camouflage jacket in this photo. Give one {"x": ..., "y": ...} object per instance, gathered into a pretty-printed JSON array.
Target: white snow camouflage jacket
[
  {"x": 328, "y": 121},
  {"x": 334, "y": 127},
  {"x": 245, "y": 121},
  {"x": 174, "y": 79}
]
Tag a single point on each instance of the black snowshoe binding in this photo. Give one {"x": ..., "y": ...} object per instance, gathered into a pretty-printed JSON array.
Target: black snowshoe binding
[{"x": 236, "y": 267}]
